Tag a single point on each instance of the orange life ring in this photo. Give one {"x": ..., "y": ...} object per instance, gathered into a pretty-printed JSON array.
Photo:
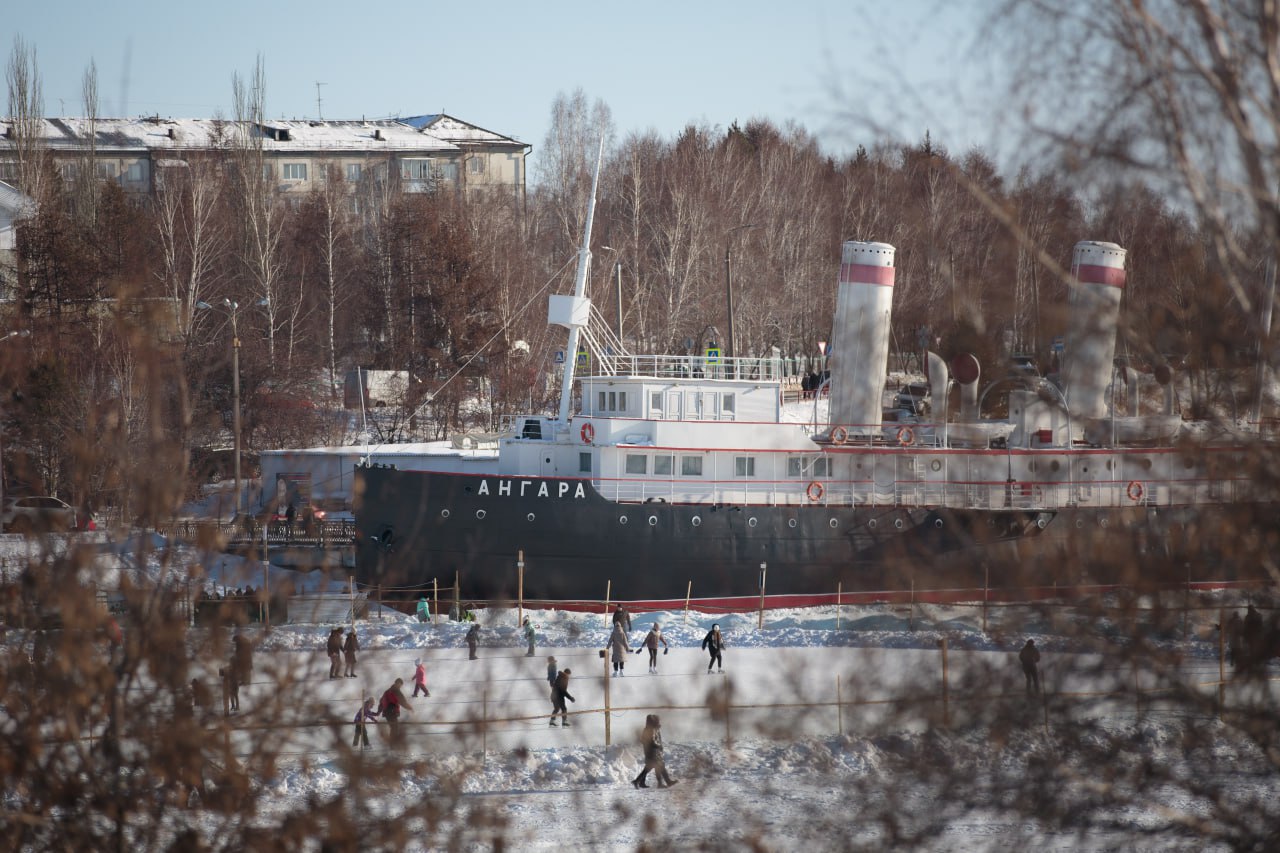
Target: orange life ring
[
  {"x": 588, "y": 433},
  {"x": 839, "y": 435},
  {"x": 906, "y": 436},
  {"x": 1134, "y": 491},
  {"x": 815, "y": 491}
]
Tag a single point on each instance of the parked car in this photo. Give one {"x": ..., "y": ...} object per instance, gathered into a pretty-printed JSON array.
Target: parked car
[
  {"x": 1023, "y": 365},
  {"x": 913, "y": 398},
  {"x": 37, "y": 515}
]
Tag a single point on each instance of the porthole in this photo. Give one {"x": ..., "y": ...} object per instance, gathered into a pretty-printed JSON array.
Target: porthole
[
  {"x": 872, "y": 524},
  {"x": 937, "y": 522},
  {"x": 1146, "y": 464},
  {"x": 1054, "y": 465},
  {"x": 1042, "y": 522},
  {"x": 935, "y": 465},
  {"x": 1079, "y": 523},
  {"x": 897, "y": 523},
  {"x": 834, "y": 523},
  {"x": 444, "y": 513},
  {"x": 480, "y": 513},
  {"x": 791, "y": 522},
  {"x": 530, "y": 516},
  {"x": 622, "y": 519},
  {"x": 696, "y": 521},
  {"x": 751, "y": 522},
  {"x": 1102, "y": 522},
  {"x": 653, "y": 521}
]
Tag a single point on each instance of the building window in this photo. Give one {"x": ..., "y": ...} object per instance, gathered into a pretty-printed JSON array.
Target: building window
[
  {"x": 353, "y": 172},
  {"x": 106, "y": 171},
  {"x": 637, "y": 463},
  {"x": 447, "y": 172},
  {"x": 603, "y": 398},
  {"x": 663, "y": 464},
  {"x": 415, "y": 169},
  {"x": 727, "y": 404},
  {"x": 584, "y": 463},
  {"x": 137, "y": 172},
  {"x": 691, "y": 466},
  {"x": 295, "y": 171},
  {"x": 8, "y": 170},
  {"x": 808, "y": 466},
  {"x": 475, "y": 165},
  {"x": 744, "y": 466},
  {"x": 69, "y": 171}
]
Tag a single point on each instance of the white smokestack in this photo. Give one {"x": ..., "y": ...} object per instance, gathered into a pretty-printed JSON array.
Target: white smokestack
[
  {"x": 860, "y": 338},
  {"x": 1097, "y": 271}
]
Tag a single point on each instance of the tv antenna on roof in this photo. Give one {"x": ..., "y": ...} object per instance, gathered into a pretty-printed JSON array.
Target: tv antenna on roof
[{"x": 319, "y": 111}]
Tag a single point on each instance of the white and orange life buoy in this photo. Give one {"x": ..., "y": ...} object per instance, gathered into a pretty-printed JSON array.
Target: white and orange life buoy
[
  {"x": 1135, "y": 491},
  {"x": 588, "y": 433},
  {"x": 815, "y": 491},
  {"x": 906, "y": 436},
  {"x": 839, "y": 435}
]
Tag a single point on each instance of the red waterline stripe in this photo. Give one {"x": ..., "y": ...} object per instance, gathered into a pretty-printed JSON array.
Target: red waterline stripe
[
  {"x": 866, "y": 274},
  {"x": 1094, "y": 274}
]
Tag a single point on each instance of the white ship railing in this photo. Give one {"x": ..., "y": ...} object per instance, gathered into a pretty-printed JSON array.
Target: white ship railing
[
  {"x": 687, "y": 367},
  {"x": 909, "y": 493}
]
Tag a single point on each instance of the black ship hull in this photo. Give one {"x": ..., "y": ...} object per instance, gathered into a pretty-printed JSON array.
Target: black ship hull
[{"x": 413, "y": 527}]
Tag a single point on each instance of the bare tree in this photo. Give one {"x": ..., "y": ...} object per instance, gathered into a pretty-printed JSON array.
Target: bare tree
[{"x": 26, "y": 112}]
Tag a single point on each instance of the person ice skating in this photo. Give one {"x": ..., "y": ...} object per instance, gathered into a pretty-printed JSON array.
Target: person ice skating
[
  {"x": 559, "y": 693},
  {"x": 366, "y": 714},
  {"x": 623, "y": 618},
  {"x": 242, "y": 658},
  {"x": 1030, "y": 658},
  {"x": 552, "y": 672},
  {"x": 714, "y": 643},
  {"x": 528, "y": 636},
  {"x": 473, "y": 640},
  {"x": 424, "y": 609},
  {"x": 651, "y": 641},
  {"x": 230, "y": 688},
  {"x": 389, "y": 707},
  {"x": 333, "y": 647},
  {"x": 618, "y": 644},
  {"x": 420, "y": 679},
  {"x": 651, "y": 739},
  {"x": 349, "y": 649}
]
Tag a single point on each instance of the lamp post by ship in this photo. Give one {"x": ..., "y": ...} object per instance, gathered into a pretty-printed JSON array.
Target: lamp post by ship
[
  {"x": 232, "y": 308},
  {"x": 617, "y": 269},
  {"x": 731, "y": 349}
]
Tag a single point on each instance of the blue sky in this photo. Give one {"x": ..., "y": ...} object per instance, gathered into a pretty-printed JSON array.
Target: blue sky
[{"x": 658, "y": 65}]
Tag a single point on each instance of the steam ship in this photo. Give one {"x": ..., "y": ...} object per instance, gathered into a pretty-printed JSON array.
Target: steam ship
[{"x": 692, "y": 474}]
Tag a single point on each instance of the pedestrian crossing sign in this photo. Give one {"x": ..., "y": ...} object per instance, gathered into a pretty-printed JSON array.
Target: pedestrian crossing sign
[{"x": 713, "y": 355}]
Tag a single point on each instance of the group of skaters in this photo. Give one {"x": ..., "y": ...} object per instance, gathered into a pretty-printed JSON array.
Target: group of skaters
[
  {"x": 619, "y": 644},
  {"x": 342, "y": 653}
]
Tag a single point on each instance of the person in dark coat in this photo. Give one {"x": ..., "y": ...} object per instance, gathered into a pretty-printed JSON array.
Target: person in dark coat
[
  {"x": 242, "y": 658},
  {"x": 714, "y": 644},
  {"x": 1030, "y": 658},
  {"x": 552, "y": 672},
  {"x": 389, "y": 707},
  {"x": 349, "y": 649},
  {"x": 334, "y": 649},
  {"x": 651, "y": 641},
  {"x": 529, "y": 637},
  {"x": 623, "y": 618},
  {"x": 473, "y": 640},
  {"x": 651, "y": 739},
  {"x": 559, "y": 693}
]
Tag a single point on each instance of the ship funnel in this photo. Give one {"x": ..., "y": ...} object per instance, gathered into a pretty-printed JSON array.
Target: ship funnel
[
  {"x": 1097, "y": 281},
  {"x": 939, "y": 377},
  {"x": 860, "y": 337},
  {"x": 967, "y": 371}
]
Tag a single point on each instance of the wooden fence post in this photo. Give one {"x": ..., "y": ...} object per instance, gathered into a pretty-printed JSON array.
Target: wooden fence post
[
  {"x": 839, "y": 708},
  {"x": 1222, "y": 661},
  {"x": 763, "y": 571},
  {"x": 608, "y": 593},
  {"x": 839, "y": 587},
  {"x": 435, "y": 599},
  {"x": 608, "y": 732},
  {"x": 688, "y": 594}
]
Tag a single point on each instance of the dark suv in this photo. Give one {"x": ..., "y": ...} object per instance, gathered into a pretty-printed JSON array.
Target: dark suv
[{"x": 914, "y": 398}]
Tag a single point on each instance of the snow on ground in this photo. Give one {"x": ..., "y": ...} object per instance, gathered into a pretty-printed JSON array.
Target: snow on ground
[{"x": 779, "y": 777}]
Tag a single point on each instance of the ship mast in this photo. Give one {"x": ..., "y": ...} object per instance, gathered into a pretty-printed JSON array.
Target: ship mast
[{"x": 575, "y": 311}]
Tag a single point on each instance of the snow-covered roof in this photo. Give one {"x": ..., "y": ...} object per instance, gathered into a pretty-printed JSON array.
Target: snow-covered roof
[
  {"x": 452, "y": 129},
  {"x": 178, "y": 134}
]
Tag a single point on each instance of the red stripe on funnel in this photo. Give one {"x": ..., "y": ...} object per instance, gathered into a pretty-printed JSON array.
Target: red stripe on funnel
[
  {"x": 1094, "y": 274},
  {"x": 866, "y": 274}
]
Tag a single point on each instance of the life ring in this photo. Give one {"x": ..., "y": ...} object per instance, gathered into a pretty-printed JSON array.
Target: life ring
[
  {"x": 906, "y": 436},
  {"x": 1134, "y": 491},
  {"x": 815, "y": 491},
  {"x": 839, "y": 435},
  {"x": 588, "y": 433}
]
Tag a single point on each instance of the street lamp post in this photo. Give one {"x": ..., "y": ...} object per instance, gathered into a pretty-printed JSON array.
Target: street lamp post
[
  {"x": 731, "y": 348},
  {"x": 232, "y": 307},
  {"x": 617, "y": 268}
]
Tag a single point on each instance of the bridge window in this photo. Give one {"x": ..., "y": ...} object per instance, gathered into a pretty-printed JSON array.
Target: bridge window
[
  {"x": 663, "y": 464},
  {"x": 691, "y": 466},
  {"x": 744, "y": 466},
  {"x": 584, "y": 463},
  {"x": 637, "y": 463}
]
